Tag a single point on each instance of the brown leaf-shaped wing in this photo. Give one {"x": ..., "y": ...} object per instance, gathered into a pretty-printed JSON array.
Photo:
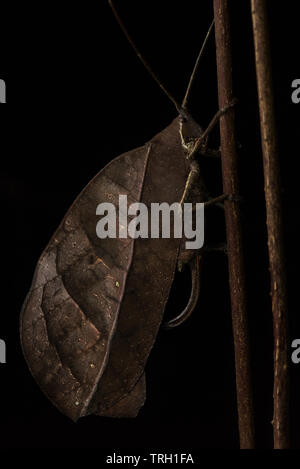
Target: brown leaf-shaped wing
[
  {"x": 95, "y": 305},
  {"x": 71, "y": 311}
]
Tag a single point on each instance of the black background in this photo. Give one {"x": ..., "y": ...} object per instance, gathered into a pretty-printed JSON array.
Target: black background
[{"x": 77, "y": 97}]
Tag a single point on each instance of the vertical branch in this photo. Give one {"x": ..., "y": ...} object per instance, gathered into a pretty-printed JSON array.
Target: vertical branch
[
  {"x": 233, "y": 227},
  {"x": 274, "y": 223}
]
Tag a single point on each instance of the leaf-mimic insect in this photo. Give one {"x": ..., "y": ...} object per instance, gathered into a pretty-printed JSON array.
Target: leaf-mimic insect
[{"x": 95, "y": 305}]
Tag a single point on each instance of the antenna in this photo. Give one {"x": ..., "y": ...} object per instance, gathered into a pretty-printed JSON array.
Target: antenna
[
  {"x": 144, "y": 62},
  {"x": 196, "y": 66},
  {"x": 180, "y": 108}
]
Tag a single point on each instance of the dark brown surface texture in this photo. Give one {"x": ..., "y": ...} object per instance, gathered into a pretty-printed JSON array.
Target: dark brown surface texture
[
  {"x": 95, "y": 305},
  {"x": 234, "y": 227},
  {"x": 274, "y": 221}
]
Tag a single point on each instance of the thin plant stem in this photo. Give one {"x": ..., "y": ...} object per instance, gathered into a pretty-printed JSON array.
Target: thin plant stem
[
  {"x": 233, "y": 227},
  {"x": 274, "y": 223}
]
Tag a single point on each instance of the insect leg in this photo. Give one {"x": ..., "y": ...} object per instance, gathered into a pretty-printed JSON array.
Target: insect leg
[
  {"x": 211, "y": 153},
  {"x": 191, "y": 180},
  {"x": 222, "y": 247},
  {"x": 216, "y": 201},
  {"x": 209, "y": 128}
]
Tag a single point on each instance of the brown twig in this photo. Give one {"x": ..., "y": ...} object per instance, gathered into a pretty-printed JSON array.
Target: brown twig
[
  {"x": 274, "y": 223},
  {"x": 233, "y": 227}
]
